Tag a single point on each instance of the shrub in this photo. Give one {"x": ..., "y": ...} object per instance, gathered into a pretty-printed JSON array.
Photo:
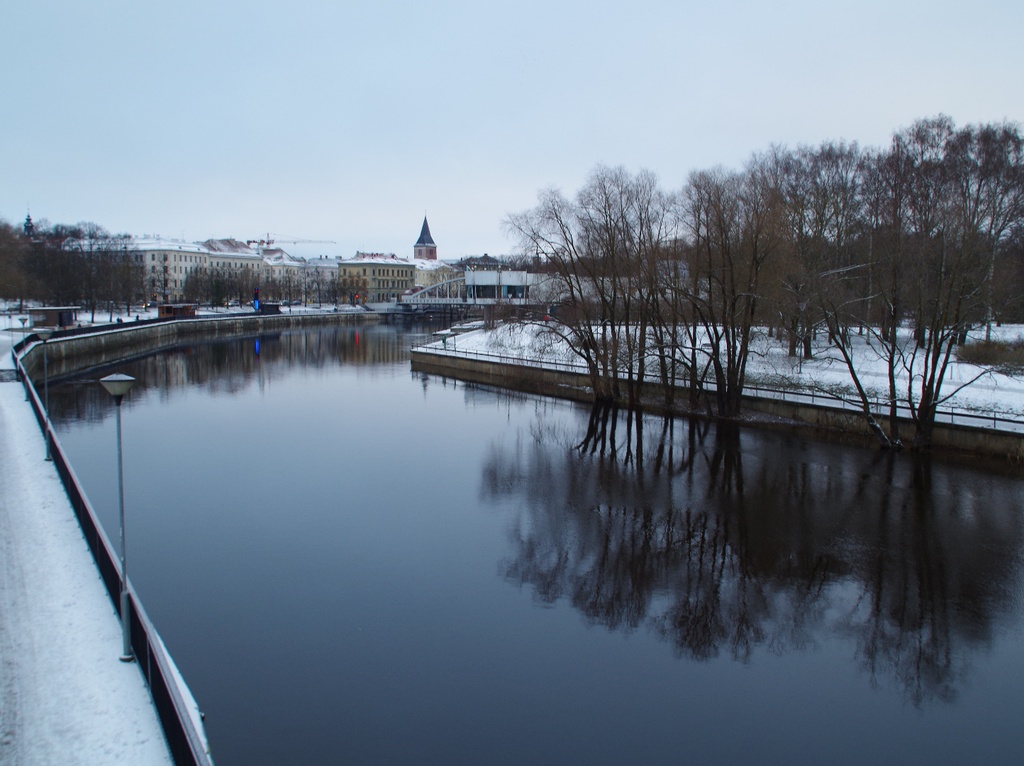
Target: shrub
[{"x": 1004, "y": 356}]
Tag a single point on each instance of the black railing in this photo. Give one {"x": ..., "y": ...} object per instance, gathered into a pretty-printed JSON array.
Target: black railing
[
  {"x": 997, "y": 421},
  {"x": 177, "y": 712},
  {"x": 71, "y": 332}
]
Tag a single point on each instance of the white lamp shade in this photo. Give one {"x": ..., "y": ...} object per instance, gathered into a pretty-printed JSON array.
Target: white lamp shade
[{"x": 117, "y": 384}]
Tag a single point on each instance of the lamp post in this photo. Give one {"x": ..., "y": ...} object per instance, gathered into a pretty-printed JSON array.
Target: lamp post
[
  {"x": 117, "y": 386},
  {"x": 44, "y": 335},
  {"x": 23, "y": 320}
]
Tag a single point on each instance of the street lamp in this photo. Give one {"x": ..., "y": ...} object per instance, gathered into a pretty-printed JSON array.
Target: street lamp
[
  {"x": 23, "y": 320},
  {"x": 44, "y": 335},
  {"x": 117, "y": 386}
]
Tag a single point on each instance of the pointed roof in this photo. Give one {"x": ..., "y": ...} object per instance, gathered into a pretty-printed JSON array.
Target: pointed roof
[{"x": 425, "y": 238}]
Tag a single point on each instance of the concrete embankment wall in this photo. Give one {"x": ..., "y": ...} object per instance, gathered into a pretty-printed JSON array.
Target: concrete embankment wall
[
  {"x": 112, "y": 343},
  {"x": 534, "y": 380},
  {"x": 771, "y": 413}
]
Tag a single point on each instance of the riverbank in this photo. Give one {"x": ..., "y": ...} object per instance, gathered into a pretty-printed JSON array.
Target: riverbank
[
  {"x": 453, "y": 537},
  {"x": 471, "y": 357},
  {"x": 65, "y": 697},
  {"x": 90, "y": 346}
]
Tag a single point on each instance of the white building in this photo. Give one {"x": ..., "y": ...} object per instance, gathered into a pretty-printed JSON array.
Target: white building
[
  {"x": 167, "y": 264},
  {"x": 498, "y": 286}
]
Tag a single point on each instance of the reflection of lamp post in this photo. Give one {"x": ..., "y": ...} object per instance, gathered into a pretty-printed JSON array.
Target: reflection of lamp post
[
  {"x": 117, "y": 386},
  {"x": 44, "y": 335}
]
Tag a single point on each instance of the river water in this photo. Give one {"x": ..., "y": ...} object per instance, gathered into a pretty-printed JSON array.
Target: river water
[{"x": 354, "y": 563}]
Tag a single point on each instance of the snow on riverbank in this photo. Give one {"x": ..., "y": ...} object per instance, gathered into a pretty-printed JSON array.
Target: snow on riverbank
[{"x": 770, "y": 366}]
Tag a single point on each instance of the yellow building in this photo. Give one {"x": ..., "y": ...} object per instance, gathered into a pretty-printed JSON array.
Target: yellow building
[{"x": 375, "y": 278}]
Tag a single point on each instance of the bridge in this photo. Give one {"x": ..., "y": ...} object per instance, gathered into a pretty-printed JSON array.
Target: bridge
[
  {"x": 448, "y": 293},
  {"x": 482, "y": 287}
]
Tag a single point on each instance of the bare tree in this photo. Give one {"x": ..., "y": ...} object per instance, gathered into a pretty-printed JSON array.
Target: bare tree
[
  {"x": 588, "y": 242},
  {"x": 986, "y": 171},
  {"x": 126, "y": 273},
  {"x": 14, "y": 283},
  {"x": 735, "y": 228},
  {"x": 922, "y": 231}
]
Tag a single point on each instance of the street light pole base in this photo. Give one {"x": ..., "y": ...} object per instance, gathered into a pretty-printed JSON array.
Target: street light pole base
[{"x": 127, "y": 658}]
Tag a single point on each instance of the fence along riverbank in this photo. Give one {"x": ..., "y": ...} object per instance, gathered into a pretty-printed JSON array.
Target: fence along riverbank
[
  {"x": 176, "y": 708},
  {"x": 78, "y": 348},
  {"x": 830, "y": 415}
]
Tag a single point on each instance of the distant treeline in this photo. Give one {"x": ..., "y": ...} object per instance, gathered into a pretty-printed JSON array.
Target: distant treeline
[
  {"x": 61, "y": 265},
  {"x": 85, "y": 265}
]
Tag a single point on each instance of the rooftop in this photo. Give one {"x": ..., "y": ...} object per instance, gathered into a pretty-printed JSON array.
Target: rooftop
[{"x": 425, "y": 238}]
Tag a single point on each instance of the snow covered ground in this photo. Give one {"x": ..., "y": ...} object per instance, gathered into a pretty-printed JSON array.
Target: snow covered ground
[
  {"x": 65, "y": 697},
  {"x": 769, "y": 366}
]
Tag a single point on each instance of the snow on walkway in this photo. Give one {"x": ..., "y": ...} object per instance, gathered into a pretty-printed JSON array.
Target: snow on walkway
[{"x": 65, "y": 697}]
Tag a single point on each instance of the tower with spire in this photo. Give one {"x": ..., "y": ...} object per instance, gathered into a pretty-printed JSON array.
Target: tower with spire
[{"x": 425, "y": 248}]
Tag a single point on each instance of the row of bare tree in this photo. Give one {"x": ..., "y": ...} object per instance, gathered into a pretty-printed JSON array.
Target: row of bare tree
[
  {"x": 81, "y": 264},
  {"x": 215, "y": 286},
  {"x": 85, "y": 265},
  {"x": 910, "y": 246}
]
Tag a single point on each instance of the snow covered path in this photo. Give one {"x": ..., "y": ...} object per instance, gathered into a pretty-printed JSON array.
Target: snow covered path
[{"x": 65, "y": 697}]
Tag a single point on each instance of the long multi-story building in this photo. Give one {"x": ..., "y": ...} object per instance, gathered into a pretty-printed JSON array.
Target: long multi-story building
[
  {"x": 375, "y": 277},
  {"x": 168, "y": 264},
  {"x": 366, "y": 278}
]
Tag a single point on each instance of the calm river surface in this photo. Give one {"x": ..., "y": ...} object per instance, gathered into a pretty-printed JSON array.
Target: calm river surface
[{"x": 353, "y": 563}]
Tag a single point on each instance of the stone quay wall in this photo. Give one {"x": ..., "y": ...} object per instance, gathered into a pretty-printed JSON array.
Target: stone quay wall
[
  {"x": 823, "y": 421},
  {"x": 70, "y": 351}
]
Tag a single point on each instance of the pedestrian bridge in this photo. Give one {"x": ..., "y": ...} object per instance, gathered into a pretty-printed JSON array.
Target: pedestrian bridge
[{"x": 481, "y": 288}]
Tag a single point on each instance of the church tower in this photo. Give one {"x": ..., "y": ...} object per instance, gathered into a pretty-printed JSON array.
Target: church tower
[{"x": 425, "y": 247}]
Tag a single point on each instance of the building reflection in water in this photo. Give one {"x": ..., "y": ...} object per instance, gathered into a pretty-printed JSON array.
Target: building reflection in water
[
  {"x": 230, "y": 367},
  {"x": 723, "y": 541}
]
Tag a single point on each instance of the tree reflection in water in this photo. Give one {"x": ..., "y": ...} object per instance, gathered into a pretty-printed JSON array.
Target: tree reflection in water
[{"x": 730, "y": 540}]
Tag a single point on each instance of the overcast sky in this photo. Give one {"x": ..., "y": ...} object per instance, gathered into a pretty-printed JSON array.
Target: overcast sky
[{"x": 347, "y": 121}]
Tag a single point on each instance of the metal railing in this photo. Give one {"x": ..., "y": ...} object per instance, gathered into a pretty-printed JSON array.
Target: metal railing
[
  {"x": 175, "y": 706},
  {"x": 996, "y": 421},
  {"x": 113, "y": 327},
  {"x": 71, "y": 332}
]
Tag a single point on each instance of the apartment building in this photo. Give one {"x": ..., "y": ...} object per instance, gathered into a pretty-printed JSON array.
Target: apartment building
[
  {"x": 167, "y": 264},
  {"x": 375, "y": 277}
]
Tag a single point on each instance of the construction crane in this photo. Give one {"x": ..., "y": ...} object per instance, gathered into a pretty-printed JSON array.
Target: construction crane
[
  {"x": 264, "y": 243},
  {"x": 261, "y": 244}
]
